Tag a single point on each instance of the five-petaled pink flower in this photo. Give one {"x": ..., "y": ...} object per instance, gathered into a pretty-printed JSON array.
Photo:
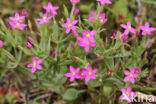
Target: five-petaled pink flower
[
  {"x": 70, "y": 25},
  {"x": 92, "y": 16},
  {"x": 44, "y": 19},
  {"x": 74, "y": 2},
  {"x": 17, "y": 18},
  {"x": 85, "y": 42},
  {"x": 89, "y": 73},
  {"x": 147, "y": 30},
  {"x": 127, "y": 94},
  {"x": 51, "y": 9},
  {"x": 128, "y": 28},
  {"x": 35, "y": 64},
  {"x": 102, "y": 18},
  {"x": 103, "y": 2},
  {"x": 130, "y": 75},
  {"x": 89, "y": 35},
  {"x": 74, "y": 73}
]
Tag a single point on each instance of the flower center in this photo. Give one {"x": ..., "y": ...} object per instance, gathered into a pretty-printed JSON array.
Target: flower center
[
  {"x": 89, "y": 73},
  {"x": 137, "y": 71},
  {"x": 88, "y": 35},
  {"x": 104, "y": 0},
  {"x": 51, "y": 8},
  {"x": 129, "y": 27},
  {"x": 130, "y": 75},
  {"x": 69, "y": 25},
  {"x": 82, "y": 74},
  {"x": 73, "y": 73},
  {"x": 34, "y": 64},
  {"x": 127, "y": 93},
  {"x": 101, "y": 20},
  {"x": 146, "y": 30},
  {"x": 44, "y": 18},
  {"x": 17, "y": 18},
  {"x": 17, "y": 24},
  {"x": 88, "y": 43}
]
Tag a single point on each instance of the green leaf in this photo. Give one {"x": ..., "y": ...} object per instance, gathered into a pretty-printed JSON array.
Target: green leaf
[
  {"x": 66, "y": 14},
  {"x": 71, "y": 94}
]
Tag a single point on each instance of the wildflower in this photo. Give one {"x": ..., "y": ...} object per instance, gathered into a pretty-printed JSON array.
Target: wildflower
[
  {"x": 146, "y": 30},
  {"x": 127, "y": 94},
  {"x": 115, "y": 84},
  {"x": 147, "y": 75},
  {"x": 76, "y": 11},
  {"x": 70, "y": 25},
  {"x": 17, "y": 25},
  {"x": 128, "y": 28},
  {"x": 45, "y": 19},
  {"x": 1, "y": 43},
  {"x": 17, "y": 18},
  {"x": 74, "y": 2},
  {"x": 89, "y": 35},
  {"x": 28, "y": 45},
  {"x": 92, "y": 16},
  {"x": 35, "y": 64},
  {"x": 30, "y": 39},
  {"x": 103, "y": 2},
  {"x": 74, "y": 73},
  {"x": 124, "y": 37},
  {"x": 6, "y": 24},
  {"x": 84, "y": 42},
  {"x": 130, "y": 75},
  {"x": 102, "y": 18},
  {"x": 53, "y": 54},
  {"x": 89, "y": 73},
  {"x": 24, "y": 13},
  {"x": 137, "y": 71},
  {"x": 82, "y": 74},
  {"x": 109, "y": 72},
  {"x": 51, "y": 9}
]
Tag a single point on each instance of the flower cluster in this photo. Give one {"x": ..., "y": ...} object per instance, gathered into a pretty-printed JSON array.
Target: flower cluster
[
  {"x": 103, "y": 2},
  {"x": 30, "y": 42},
  {"x": 85, "y": 73},
  {"x": 101, "y": 17},
  {"x": 146, "y": 30},
  {"x": 16, "y": 22}
]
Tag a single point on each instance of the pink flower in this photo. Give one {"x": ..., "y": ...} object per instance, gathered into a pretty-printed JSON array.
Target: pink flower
[
  {"x": 51, "y": 9},
  {"x": 70, "y": 25},
  {"x": 24, "y": 12},
  {"x": 103, "y": 2},
  {"x": 92, "y": 16},
  {"x": 128, "y": 28},
  {"x": 137, "y": 71},
  {"x": 124, "y": 37},
  {"x": 114, "y": 35},
  {"x": 53, "y": 54},
  {"x": 146, "y": 29},
  {"x": 45, "y": 19},
  {"x": 1, "y": 43},
  {"x": 130, "y": 75},
  {"x": 7, "y": 24},
  {"x": 35, "y": 64},
  {"x": 17, "y": 18},
  {"x": 127, "y": 94},
  {"x": 74, "y": 73},
  {"x": 30, "y": 39},
  {"x": 28, "y": 45},
  {"x": 82, "y": 74},
  {"x": 74, "y": 2},
  {"x": 89, "y": 35},
  {"x": 76, "y": 11},
  {"x": 84, "y": 42},
  {"x": 89, "y": 73},
  {"x": 18, "y": 25},
  {"x": 102, "y": 18}
]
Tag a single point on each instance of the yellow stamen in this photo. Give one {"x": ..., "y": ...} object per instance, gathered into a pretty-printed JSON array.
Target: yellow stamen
[
  {"x": 130, "y": 75},
  {"x": 17, "y": 24},
  {"x": 101, "y": 20},
  {"x": 127, "y": 93},
  {"x": 51, "y": 7},
  {"x": 88, "y": 35},
  {"x": 82, "y": 74},
  {"x": 88, "y": 43},
  {"x": 73, "y": 73},
  {"x": 34, "y": 64},
  {"x": 146, "y": 30},
  {"x": 129, "y": 27},
  {"x": 89, "y": 73},
  {"x": 44, "y": 18},
  {"x": 70, "y": 25}
]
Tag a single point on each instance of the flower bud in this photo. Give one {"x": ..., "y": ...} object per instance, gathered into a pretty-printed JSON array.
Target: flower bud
[
  {"x": 53, "y": 54},
  {"x": 28, "y": 45},
  {"x": 24, "y": 12},
  {"x": 76, "y": 11},
  {"x": 6, "y": 24},
  {"x": 74, "y": 2},
  {"x": 1, "y": 43},
  {"x": 30, "y": 39}
]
